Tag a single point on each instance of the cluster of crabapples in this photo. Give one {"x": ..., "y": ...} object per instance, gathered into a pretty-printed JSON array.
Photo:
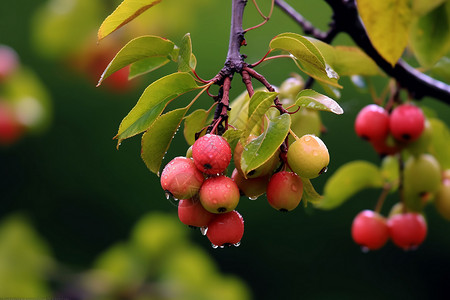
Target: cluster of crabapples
[
  {"x": 405, "y": 134},
  {"x": 208, "y": 197}
]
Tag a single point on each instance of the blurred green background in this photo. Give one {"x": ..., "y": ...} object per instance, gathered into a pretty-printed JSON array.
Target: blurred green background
[{"x": 82, "y": 198}]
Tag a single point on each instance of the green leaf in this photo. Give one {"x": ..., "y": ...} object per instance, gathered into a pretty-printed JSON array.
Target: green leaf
[
  {"x": 144, "y": 47},
  {"x": 261, "y": 149},
  {"x": 193, "y": 123},
  {"x": 156, "y": 140},
  {"x": 422, "y": 7},
  {"x": 348, "y": 180},
  {"x": 124, "y": 13},
  {"x": 390, "y": 170},
  {"x": 147, "y": 65},
  {"x": 232, "y": 136},
  {"x": 346, "y": 60},
  {"x": 152, "y": 103},
  {"x": 442, "y": 69},
  {"x": 259, "y": 103},
  {"x": 314, "y": 100},
  {"x": 440, "y": 146},
  {"x": 307, "y": 57},
  {"x": 186, "y": 60},
  {"x": 387, "y": 24},
  {"x": 309, "y": 193},
  {"x": 430, "y": 35},
  {"x": 238, "y": 115}
]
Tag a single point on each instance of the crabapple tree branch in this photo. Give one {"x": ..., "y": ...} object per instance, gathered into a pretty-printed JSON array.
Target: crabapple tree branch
[{"x": 346, "y": 19}]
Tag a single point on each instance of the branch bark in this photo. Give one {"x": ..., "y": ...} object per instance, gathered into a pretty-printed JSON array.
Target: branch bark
[{"x": 346, "y": 19}]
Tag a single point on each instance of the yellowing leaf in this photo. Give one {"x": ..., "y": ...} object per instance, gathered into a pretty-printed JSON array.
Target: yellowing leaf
[
  {"x": 124, "y": 13},
  {"x": 387, "y": 23},
  {"x": 314, "y": 100}
]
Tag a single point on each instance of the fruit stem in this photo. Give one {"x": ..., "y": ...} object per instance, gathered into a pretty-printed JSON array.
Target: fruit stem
[
  {"x": 386, "y": 188},
  {"x": 293, "y": 134}
]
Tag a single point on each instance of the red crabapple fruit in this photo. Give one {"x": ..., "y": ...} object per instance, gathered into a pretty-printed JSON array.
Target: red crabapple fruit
[
  {"x": 10, "y": 128},
  {"x": 369, "y": 230},
  {"x": 372, "y": 123},
  {"x": 226, "y": 229},
  {"x": 211, "y": 154},
  {"x": 406, "y": 122},
  {"x": 192, "y": 213},
  {"x": 250, "y": 187},
  {"x": 219, "y": 194},
  {"x": 408, "y": 230},
  {"x": 181, "y": 178},
  {"x": 284, "y": 191}
]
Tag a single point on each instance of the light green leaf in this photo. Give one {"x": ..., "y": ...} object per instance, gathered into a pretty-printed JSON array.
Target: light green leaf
[
  {"x": 147, "y": 65},
  {"x": 442, "y": 69},
  {"x": 314, "y": 100},
  {"x": 193, "y": 123},
  {"x": 259, "y": 103},
  {"x": 390, "y": 170},
  {"x": 348, "y": 180},
  {"x": 307, "y": 57},
  {"x": 440, "y": 146},
  {"x": 346, "y": 60},
  {"x": 152, "y": 103},
  {"x": 156, "y": 140},
  {"x": 430, "y": 36},
  {"x": 261, "y": 149},
  {"x": 387, "y": 24},
  {"x": 422, "y": 7},
  {"x": 124, "y": 13},
  {"x": 144, "y": 47},
  {"x": 232, "y": 136},
  {"x": 238, "y": 114},
  {"x": 309, "y": 193},
  {"x": 186, "y": 60}
]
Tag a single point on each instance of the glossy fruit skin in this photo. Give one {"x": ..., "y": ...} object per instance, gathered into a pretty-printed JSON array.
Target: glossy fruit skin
[
  {"x": 406, "y": 122},
  {"x": 408, "y": 230},
  {"x": 265, "y": 169},
  {"x": 369, "y": 230},
  {"x": 211, "y": 154},
  {"x": 192, "y": 213},
  {"x": 181, "y": 178},
  {"x": 308, "y": 156},
  {"x": 372, "y": 123},
  {"x": 250, "y": 187},
  {"x": 422, "y": 175},
  {"x": 9, "y": 61},
  {"x": 10, "y": 128},
  {"x": 226, "y": 229},
  {"x": 219, "y": 194},
  {"x": 383, "y": 148},
  {"x": 284, "y": 191},
  {"x": 442, "y": 200}
]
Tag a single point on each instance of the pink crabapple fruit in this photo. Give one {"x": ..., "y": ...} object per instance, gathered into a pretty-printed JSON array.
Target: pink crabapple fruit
[
  {"x": 9, "y": 61},
  {"x": 211, "y": 154},
  {"x": 407, "y": 230},
  {"x": 192, "y": 213},
  {"x": 284, "y": 191},
  {"x": 372, "y": 123},
  {"x": 226, "y": 229},
  {"x": 219, "y": 194},
  {"x": 369, "y": 230},
  {"x": 406, "y": 122}
]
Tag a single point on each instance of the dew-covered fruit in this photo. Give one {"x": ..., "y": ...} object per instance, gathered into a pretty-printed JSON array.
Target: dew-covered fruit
[
  {"x": 422, "y": 174},
  {"x": 181, "y": 178},
  {"x": 372, "y": 123},
  {"x": 408, "y": 230},
  {"x": 406, "y": 122},
  {"x": 369, "y": 230},
  {"x": 226, "y": 229},
  {"x": 9, "y": 61},
  {"x": 265, "y": 169},
  {"x": 10, "y": 128},
  {"x": 250, "y": 187},
  {"x": 308, "y": 156},
  {"x": 219, "y": 194},
  {"x": 442, "y": 200},
  {"x": 284, "y": 191},
  {"x": 211, "y": 154},
  {"x": 192, "y": 213}
]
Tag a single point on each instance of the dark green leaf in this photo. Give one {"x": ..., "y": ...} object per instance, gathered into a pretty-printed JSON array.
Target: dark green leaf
[
  {"x": 261, "y": 149},
  {"x": 143, "y": 47},
  {"x": 348, "y": 180},
  {"x": 156, "y": 140},
  {"x": 440, "y": 146},
  {"x": 314, "y": 100},
  {"x": 153, "y": 101},
  {"x": 193, "y": 123}
]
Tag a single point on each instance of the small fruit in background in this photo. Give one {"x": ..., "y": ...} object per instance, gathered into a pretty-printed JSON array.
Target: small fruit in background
[
  {"x": 407, "y": 230},
  {"x": 211, "y": 154},
  {"x": 442, "y": 200},
  {"x": 291, "y": 87},
  {"x": 308, "y": 156},
  {"x": 372, "y": 123},
  {"x": 250, "y": 187},
  {"x": 422, "y": 174},
  {"x": 11, "y": 130},
  {"x": 219, "y": 194},
  {"x": 305, "y": 121},
  {"x": 406, "y": 122},
  {"x": 9, "y": 61},
  {"x": 226, "y": 229},
  {"x": 284, "y": 191},
  {"x": 192, "y": 213},
  {"x": 369, "y": 230},
  {"x": 181, "y": 178}
]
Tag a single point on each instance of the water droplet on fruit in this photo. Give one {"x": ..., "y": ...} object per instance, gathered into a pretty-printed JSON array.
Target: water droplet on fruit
[
  {"x": 364, "y": 249},
  {"x": 237, "y": 244},
  {"x": 203, "y": 230},
  {"x": 253, "y": 198},
  {"x": 214, "y": 246},
  {"x": 158, "y": 174},
  {"x": 324, "y": 170},
  {"x": 168, "y": 194},
  {"x": 221, "y": 247}
]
